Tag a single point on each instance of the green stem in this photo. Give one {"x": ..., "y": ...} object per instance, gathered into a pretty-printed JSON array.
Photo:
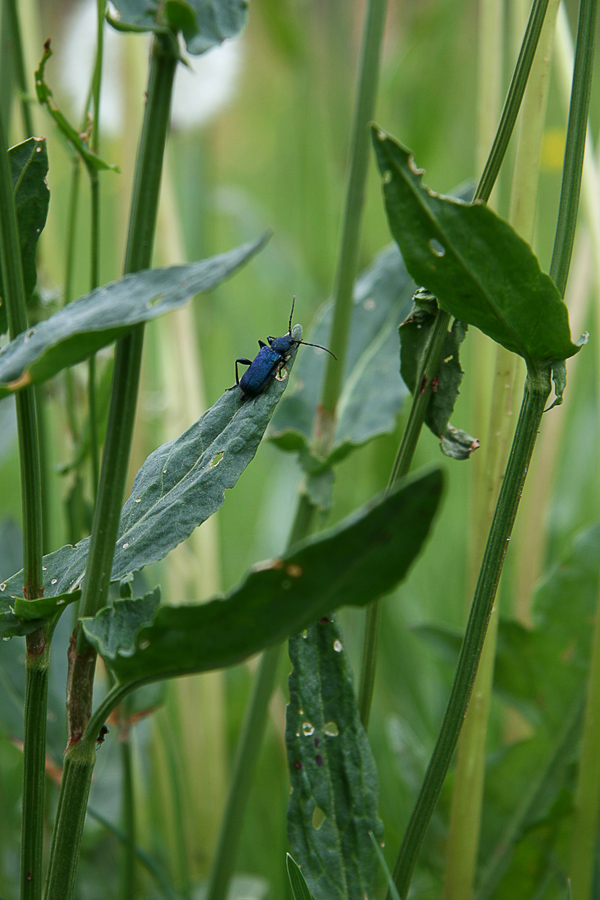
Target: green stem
[
  {"x": 31, "y": 500},
  {"x": 74, "y": 790},
  {"x": 14, "y": 26},
  {"x": 70, "y": 818},
  {"x": 94, "y": 281},
  {"x": 128, "y": 857},
  {"x": 250, "y": 742},
  {"x": 536, "y": 393},
  {"x": 34, "y": 765},
  {"x": 575, "y": 144},
  {"x": 347, "y": 266},
  {"x": 434, "y": 348}
]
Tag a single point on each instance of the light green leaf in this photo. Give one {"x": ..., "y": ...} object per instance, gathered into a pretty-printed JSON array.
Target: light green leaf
[
  {"x": 178, "y": 487},
  {"x": 297, "y": 880},
  {"x": 360, "y": 559},
  {"x": 478, "y": 267},
  {"x": 104, "y": 315},
  {"x": 381, "y": 302},
  {"x": 333, "y": 804},
  {"x": 29, "y": 167}
]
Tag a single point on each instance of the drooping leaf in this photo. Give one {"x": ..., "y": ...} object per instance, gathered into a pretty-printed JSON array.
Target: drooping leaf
[
  {"x": 381, "y": 301},
  {"x": 71, "y": 134},
  {"x": 297, "y": 880},
  {"x": 333, "y": 804},
  {"x": 480, "y": 270},
  {"x": 360, "y": 559},
  {"x": 415, "y": 333},
  {"x": 203, "y": 23},
  {"x": 29, "y": 167},
  {"x": 104, "y": 315},
  {"x": 178, "y": 487}
]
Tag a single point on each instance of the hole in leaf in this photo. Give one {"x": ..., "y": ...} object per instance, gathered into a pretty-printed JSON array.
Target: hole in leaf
[
  {"x": 216, "y": 459},
  {"x": 436, "y": 248},
  {"x": 331, "y": 729},
  {"x": 318, "y": 817}
]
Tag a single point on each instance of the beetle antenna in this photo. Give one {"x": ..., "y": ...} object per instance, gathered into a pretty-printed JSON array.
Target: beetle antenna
[
  {"x": 308, "y": 344},
  {"x": 291, "y": 314}
]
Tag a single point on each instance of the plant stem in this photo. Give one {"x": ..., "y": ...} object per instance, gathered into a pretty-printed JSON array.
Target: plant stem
[
  {"x": 33, "y": 586},
  {"x": 74, "y": 789},
  {"x": 434, "y": 349},
  {"x": 536, "y": 393},
  {"x": 250, "y": 741},
  {"x": 575, "y": 145},
  {"x": 128, "y": 856},
  {"x": 347, "y": 265},
  {"x": 10, "y": 12},
  {"x": 70, "y": 817}
]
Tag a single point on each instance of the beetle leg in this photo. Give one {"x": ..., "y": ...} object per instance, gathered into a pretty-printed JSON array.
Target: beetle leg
[
  {"x": 261, "y": 344},
  {"x": 244, "y": 362}
]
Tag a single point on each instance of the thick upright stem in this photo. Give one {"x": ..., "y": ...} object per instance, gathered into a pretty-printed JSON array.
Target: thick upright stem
[
  {"x": 537, "y": 391},
  {"x": 79, "y": 760}
]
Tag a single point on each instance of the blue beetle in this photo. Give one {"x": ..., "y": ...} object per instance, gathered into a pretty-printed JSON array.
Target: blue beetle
[{"x": 269, "y": 361}]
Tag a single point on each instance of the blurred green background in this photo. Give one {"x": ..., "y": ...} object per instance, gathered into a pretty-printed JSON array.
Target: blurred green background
[{"x": 261, "y": 142}]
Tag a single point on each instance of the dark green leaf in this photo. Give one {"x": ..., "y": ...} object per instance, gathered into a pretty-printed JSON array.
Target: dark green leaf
[
  {"x": 360, "y": 559},
  {"x": 203, "y": 23},
  {"x": 72, "y": 135},
  {"x": 10, "y": 624},
  {"x": 178, "y": 487},
  {"x": 29, "y": 166},
  {"x": 479, "y": 269},
  {"x": 415, "y": 332},
  {"x": 297, "y": 881},
  {"x": 373, "y": 392},
  {"x": 99, "y": 318},
  {"x": 333, "y": 804}
]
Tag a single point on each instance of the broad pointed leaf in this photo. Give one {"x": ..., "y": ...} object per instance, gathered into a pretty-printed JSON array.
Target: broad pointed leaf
[
  {"x": 478, "y": 267},
  {"x": 203, "y": 23},
  {"x": 360, "y": 559},
  {"x": 29, "y": 166},
  {"x": 373, "y": 392},
  {"x": 99, "y": 318},
  {"x": 333, "y": 804},
  {"x": 178, "y": 487}
]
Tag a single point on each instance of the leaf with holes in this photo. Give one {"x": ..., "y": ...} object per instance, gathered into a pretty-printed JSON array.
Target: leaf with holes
[
  {"x": 333, "y": 804},
  {"x": 478, "y": 267},
  {"x": 28, "y": 168},
  {"x": 381, "y": 301},
  {"x": 178, "y": 487},
  {"x": 360, "y": 559},
  {"x": 106, "y": 314}
]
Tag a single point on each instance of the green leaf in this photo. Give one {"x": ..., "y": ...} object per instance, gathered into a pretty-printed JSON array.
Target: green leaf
[
  {"x": 29, "y": 166},
  {"x": 415, "y": 332},
  {"x": 479, "y": 269},
  {"x": 390, "y": 881},
  {"x": 381, "y": 301},
  {"x": 178, "y": 487},
  {"x": 104, "y": 315},
  {"x": 297, "y": 880},
  {"x": 72, "y": 135},
  {"x": 203, "y": 23},
  {"x": 333, "y": 804},
  {"x": 44, "y": 607},
  {"x": 360, "y": 559}
]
